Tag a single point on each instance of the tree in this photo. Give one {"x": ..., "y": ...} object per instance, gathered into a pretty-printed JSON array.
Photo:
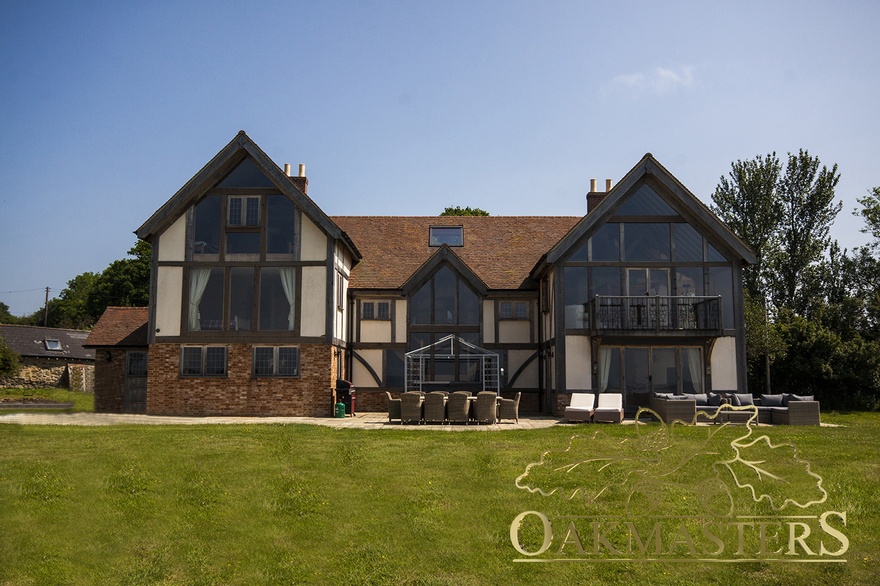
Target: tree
[
  {"x": 807, "y": 197},
  {"x": 870, "y": 212},
  {"x": 124, "y": 283},
  {"x": 8, "y": 358},
  {"x": 459, "y": 211},
  {"x": 749, "y": 204},
  {"x": 70, "y": 310}
]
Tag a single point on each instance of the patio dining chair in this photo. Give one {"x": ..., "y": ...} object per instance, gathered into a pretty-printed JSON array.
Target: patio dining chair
[
  {"x": 393, "y": 407},
  {"x": 458, "y": 407},
  {"x": 411, "y": 407},
  {"x": 435, "y": 407},
  {"x": 487, "y": 407},
  {"x": 509, "y": 408}
]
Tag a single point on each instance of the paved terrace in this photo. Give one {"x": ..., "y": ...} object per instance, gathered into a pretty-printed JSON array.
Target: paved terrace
[{"x": 360, "y": 421}]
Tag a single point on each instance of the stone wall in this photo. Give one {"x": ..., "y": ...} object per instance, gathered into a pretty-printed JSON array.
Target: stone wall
[{"x": 41, "y": 373}]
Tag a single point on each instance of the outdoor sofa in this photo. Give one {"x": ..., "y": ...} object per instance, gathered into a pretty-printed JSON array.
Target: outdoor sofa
[{"x": 784, "y": 409}]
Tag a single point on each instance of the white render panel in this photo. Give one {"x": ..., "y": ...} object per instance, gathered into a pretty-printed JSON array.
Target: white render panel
[
  {"x": 578, "y": 362},
  {"x": 528, "y": 378},
  {"x": 488, "y": 322},
  {"x": 314, "y": 241},
  {"x": 513, "y": 332},
  {"x": 169, "y": 296},
  {"x": 723, "y": 363},
  {"x": 375, "y": 330},
  {"x": 172, "y": 242},
  {"x": 400, "y": 321},
  {"x": 361, "y": 377},
  {"x": 314, "y": 301}
]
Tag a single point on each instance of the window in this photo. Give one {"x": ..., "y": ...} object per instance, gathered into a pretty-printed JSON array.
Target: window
[
  {"x": 205, "y": 299},
  {"x": 340, "y": 292},
  {"x": 376, "y": 310},
  {"x": 445, "y": 299},
  {"x": 449, "y": 235},
  {"x": 277, "y": 299},
  {"x": 575, "y": 297},
  {"x": 513, "y": 310},
  {"x": 54, "y": 345},
  {"x": 276, "y": 361},
  {"x": 206, "y": 228},
  {"x": 203, "y": 361},
  {"x": 280, "y": 226},
  {"x": 646, "y": 242},
  {"x": 243, "y": 210},
  {"x": 606, "y": 243}
]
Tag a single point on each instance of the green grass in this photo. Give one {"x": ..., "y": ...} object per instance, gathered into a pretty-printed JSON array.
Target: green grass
[
  {"x": 272, "y": 504},
  {"x": 81, "y": 401}
]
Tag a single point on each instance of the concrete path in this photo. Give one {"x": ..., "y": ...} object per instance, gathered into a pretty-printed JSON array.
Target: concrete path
[{"x": 361, "y": 421}]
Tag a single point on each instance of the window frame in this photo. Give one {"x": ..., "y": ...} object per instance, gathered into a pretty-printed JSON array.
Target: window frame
[
  {"x": 375, "y": 312},
  {"x": 514, "y": 306},
  {"x": 203, "y": 361},
  {"x": 242, "y": 222},
  {"x": 275, "y": 361},
  {"x": 448, "y": 238}
]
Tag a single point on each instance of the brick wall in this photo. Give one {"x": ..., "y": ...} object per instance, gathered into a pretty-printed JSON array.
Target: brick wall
[
  {"x": 109, "y": 380},
  {"x": 239, "y": 393}
]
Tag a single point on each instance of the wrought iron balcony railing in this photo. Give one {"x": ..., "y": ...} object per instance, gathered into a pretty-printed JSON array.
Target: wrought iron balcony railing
[{"x": 655, "y": 313}]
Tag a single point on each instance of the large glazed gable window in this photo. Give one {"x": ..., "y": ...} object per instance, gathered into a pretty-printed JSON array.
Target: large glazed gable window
[
  {"x": 245, "y": 174},
  {"x": 646, "y": 242},
  {"x": 445, "y": 299},
  {"x": 205, "y": 299},
  {"x": 206, "y": 229},
  {"x": 645, "y": 202}
]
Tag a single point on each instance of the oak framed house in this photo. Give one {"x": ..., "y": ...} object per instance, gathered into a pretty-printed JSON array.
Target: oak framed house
[{"x": 260, "y": 301}]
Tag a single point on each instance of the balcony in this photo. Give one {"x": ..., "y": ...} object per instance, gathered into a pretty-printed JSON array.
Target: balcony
[{"x": 656, "y": 315}]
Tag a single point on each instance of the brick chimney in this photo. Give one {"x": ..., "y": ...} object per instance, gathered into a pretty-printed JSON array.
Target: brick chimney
[
  {"x": 595, "y": 197},
  {"x": 301, "y": 181}
]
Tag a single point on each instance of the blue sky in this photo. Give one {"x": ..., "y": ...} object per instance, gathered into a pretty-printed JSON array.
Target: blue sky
[{"x": 404, "y": 108}]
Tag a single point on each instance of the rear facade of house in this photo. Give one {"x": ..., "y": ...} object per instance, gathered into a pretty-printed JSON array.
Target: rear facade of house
[{"x": 260, "y": 302}]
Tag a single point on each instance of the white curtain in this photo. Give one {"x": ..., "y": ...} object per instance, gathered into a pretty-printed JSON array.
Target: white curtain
[
  {"x": 288, "y": 282},
  {"x": 695, "y": 365},
  {"x": 198, "y": 281},
  {"x": 604, "y": 367}
]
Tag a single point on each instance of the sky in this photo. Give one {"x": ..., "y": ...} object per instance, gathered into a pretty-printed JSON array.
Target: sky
[{"x": 407, "y": 107}]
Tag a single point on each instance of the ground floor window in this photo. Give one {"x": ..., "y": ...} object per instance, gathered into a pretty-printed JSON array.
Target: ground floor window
[
  {"x": 203, "y": 361},
  {"x": 276, "y": 361},
  {"x": 638, "y": 371}
]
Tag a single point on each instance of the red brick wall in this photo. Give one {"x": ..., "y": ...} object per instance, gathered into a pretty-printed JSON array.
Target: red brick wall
[
  {"x": 109, "y": 380},
  {"x": 239, "y": 393}
]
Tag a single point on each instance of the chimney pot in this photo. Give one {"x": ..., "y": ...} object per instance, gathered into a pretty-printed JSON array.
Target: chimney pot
[
  {"x": 302, "y": 169},
  {"x": 287, "y": 169},
  {"x": 592, "y": 185},
  {"x": 608, "y": 184}
]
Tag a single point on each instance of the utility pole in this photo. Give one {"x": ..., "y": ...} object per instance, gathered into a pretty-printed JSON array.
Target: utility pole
[{"x": 46, "y": 310}]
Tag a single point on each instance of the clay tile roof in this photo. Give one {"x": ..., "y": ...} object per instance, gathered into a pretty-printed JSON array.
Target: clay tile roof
[
  {"x": 120, "y": 326},
  {"x": 501, "y": 250}
]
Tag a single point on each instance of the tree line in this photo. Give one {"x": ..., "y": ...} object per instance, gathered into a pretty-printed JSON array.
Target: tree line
[
  {"x": 124, "y": 282},
  {"x": 812, "y": 309}
]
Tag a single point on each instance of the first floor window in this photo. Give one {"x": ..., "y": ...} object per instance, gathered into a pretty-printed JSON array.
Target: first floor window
[
  {"x": 203, "y": 361},
  {"x": 276, "y": 361},
  {"x": 376, "y": 310}
]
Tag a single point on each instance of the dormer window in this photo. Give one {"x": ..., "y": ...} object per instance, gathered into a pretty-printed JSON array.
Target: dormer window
[
  {"x": 448, "y": 235},
  {"x": 54, "y": 345}
]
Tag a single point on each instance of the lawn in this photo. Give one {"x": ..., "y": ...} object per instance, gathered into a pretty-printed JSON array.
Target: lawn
[
  {"x": 81, "y": 401},
  {"x": 276, "y": 504}
]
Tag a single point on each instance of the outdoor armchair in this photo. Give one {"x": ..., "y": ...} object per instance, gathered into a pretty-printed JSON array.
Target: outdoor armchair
[
  {"x": 581, "y": 407},
  {"x": 609, "y": 408},
  {"x": 393, "y": 407},
  {"x": 509, "y": 408}
]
